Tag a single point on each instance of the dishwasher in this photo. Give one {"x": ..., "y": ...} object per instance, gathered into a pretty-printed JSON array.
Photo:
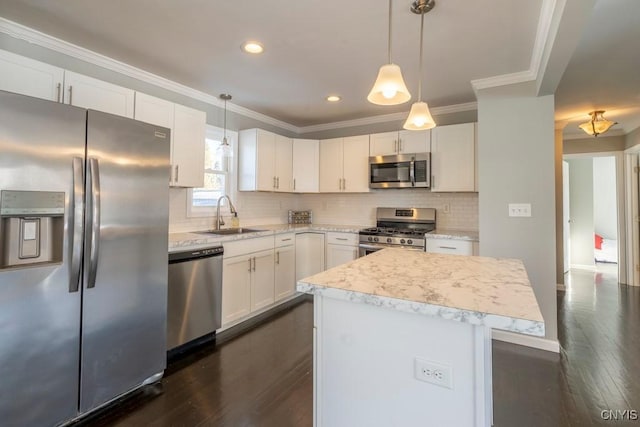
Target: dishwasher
[{"x": 194, "y": 299}]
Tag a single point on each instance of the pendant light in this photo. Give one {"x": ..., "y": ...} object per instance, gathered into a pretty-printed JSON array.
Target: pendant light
[
  {"x": 420, "y": 116},
  {"x": 224, "y": 148},
  {"x": 598, "y": 124},
  {"x": 389, "y": 88}
]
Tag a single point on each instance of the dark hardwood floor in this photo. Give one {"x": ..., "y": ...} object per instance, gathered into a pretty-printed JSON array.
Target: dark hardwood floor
[{"x": 263, "y": 377}]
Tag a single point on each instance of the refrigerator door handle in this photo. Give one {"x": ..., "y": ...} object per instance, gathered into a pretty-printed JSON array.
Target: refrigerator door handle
[
  {"x": 94, "y": 172},
  {"x": 76, "y": 224}
]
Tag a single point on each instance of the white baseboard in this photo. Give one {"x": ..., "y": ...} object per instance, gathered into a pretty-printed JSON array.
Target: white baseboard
[
  {"x": 584, "y": 267},
  {"x": 526, "y": 340}
]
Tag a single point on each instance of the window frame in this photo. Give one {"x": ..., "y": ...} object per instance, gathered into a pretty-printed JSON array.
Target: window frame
[{"x": 215, "y": 133}]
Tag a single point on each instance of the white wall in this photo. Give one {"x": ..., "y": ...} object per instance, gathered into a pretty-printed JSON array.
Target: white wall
[
  {"x": 581, "y": 212},
  {"x": 605, "y": 215},
  {"x": 516, "y": 165}
]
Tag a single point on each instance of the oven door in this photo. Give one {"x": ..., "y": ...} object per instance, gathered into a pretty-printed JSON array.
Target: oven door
[{"x": 369, "y": 248}]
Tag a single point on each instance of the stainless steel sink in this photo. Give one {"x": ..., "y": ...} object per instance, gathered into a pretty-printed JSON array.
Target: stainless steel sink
[{"x": 230, "y": 231}]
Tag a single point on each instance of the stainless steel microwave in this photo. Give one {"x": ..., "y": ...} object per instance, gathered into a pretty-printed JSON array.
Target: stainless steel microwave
[{"x": 400, "y": 171}]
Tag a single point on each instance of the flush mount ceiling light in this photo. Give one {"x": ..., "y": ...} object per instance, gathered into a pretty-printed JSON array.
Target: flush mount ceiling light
[
  {"x": 333, "y": 98},
  {"x": 389, "y": 88},
  {"x": 253, "y": 47},
  {"x": 598, "y": 124},
  {"x": 225, "y": 148},
  {"x": 420, "y": 116}
]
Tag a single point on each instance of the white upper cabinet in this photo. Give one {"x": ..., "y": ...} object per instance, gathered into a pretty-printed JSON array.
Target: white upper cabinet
[
  {"x": 356, "y": 164},
  {"x": 284, "y": 164},
  {"x": 187, "y": 149},
  {"x": 402, "y": 142},
  {"x": 453, "y": 158},
  {"x": 344, "y": 165},
  {"x": 306, "y": 161},
  {"x": 265, "y": 161},
  {"x": 29, "y": 77},
  {"x": 187, "y": 136},
  {"x": 87, "y": 92}
]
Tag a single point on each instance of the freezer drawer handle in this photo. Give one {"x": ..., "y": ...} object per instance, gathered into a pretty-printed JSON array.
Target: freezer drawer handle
[
  {"x": 75, "y": 225},
  {"x": 94, "y": 171}
]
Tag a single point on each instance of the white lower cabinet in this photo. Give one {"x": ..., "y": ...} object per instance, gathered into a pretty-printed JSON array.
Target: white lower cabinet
[
  {"x": 285, "y": 272},
  {"x": 309, "y": 254},
  {"x": 450, "y": 246},
  {"x": 341, "y": 248},
  {"x": 262, "y": 280},
  {"x": 236, "y": 288}
]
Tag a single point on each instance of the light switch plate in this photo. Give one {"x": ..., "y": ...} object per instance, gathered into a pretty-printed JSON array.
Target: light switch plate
[{"x": 520, "y": 209}]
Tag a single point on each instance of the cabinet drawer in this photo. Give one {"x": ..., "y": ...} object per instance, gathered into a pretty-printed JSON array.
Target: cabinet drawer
[
  {"x": 350, "y": 239},
  {"x": 247, "y": 246},
  {"x": 286, "y": 239},
  {"x": 450, "y": 246}
]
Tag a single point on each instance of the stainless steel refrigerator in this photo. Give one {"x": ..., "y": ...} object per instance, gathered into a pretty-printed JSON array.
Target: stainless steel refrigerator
[{"x": 83, "y": 258}]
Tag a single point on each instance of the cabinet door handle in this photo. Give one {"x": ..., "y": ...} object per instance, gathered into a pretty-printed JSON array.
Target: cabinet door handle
[
  {"x": 274, "y": 182},
  {"x": 59, "y": 92},
  {"x": 399, "y": 145},
  {"x": 177, "y": 172},
  {"x": 277, "y": 257},
  {"x": 447, "y": 247},
  {"x": 395, "y": 145},
  {"x": 70, "y": 95},
  {"x": 294, "y": 184},
  {"x": 285, "y": 240},
  {"x": 249, "y": 270},
  {"x": 344, "y": 183},
  {"x": 433, "y": 181},
  {"x": 342, "y": 238},
  {"x": 278, "y": 182},
  {"x": 254, "y": 263}
]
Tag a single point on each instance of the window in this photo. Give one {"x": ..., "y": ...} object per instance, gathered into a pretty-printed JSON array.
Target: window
[{"x": 202, "y": 201}]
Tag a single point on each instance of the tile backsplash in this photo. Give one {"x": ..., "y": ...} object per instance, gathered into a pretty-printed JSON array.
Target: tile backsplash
[{"x": 350, "y": 209}]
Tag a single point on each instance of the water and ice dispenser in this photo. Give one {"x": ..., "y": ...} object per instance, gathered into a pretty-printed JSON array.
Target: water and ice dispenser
[{"x": 31, "y": 228}]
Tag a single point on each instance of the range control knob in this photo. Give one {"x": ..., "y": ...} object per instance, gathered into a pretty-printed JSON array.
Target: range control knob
[
  {"x": 402, "y": 241},
  {"x": 375, "y": 239},
  {"x": 389, "y": 240},
  {"x": 370, "y": 239},
  {"x": 409, "y": 241}
]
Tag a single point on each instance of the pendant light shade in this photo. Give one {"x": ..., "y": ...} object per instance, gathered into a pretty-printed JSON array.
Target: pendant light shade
[
  {"x": 598, "y": 124},
  {"x": 389, "y": 87},
  {"x": 225, "y": 148},
  {"x": 420, "y": 116}
]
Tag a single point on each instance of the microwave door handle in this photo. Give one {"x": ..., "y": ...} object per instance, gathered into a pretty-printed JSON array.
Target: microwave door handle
[{"x": 412, "y": 173}]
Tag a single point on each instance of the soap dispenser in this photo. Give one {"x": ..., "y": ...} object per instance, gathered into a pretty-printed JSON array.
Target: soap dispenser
[{"x": 235, "y": 221}]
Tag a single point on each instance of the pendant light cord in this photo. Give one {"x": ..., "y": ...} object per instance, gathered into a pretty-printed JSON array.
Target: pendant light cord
[
  {"x": 224, "y": 139},
  {"x": 389, "y": 39},
  {"x": 420, "y": 67}
]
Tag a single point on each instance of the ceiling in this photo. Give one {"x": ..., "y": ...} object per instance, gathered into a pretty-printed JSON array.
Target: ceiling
[{"x": 314, "y": 48}]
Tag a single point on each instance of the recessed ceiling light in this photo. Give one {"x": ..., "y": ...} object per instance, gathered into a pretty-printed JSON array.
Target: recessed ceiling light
[
  {"x": 333, "y": 98},
  {"x": 253, "y": 47}
]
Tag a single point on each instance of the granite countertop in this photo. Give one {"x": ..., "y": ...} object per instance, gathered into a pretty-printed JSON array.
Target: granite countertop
[
  {"x": 193, "y": 240},
  {"x": 479, "y": 290},
  {"x": 443, "y": 233}
]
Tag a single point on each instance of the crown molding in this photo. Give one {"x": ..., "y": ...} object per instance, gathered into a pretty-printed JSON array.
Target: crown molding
[
  {"x": 385, "y": 118},
  {"x": 38, "y": 38},
  {"x": 542, "y": 37}
]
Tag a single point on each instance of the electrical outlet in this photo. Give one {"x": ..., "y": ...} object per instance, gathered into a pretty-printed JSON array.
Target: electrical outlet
[
  {"x": 433, "y": 372},
  {"x": 520, "y": 209},
  {"x": 446, "y": 208}
]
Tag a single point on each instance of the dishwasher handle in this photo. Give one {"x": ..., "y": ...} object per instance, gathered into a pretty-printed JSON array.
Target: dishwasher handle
[{"x": 177, "y": 257}]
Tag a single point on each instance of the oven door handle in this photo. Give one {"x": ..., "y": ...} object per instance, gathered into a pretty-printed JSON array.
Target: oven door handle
[{"x": 368, "y": 246}]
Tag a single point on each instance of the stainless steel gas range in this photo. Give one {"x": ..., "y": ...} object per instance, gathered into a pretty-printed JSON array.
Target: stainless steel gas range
[{"x": 398, "y": 227}]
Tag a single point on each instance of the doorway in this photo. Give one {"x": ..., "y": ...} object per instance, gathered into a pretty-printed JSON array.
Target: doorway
[{"x": 592, "y": 184}]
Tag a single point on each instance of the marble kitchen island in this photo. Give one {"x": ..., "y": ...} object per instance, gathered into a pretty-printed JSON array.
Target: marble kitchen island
[{"x": 404, "y": 337}]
